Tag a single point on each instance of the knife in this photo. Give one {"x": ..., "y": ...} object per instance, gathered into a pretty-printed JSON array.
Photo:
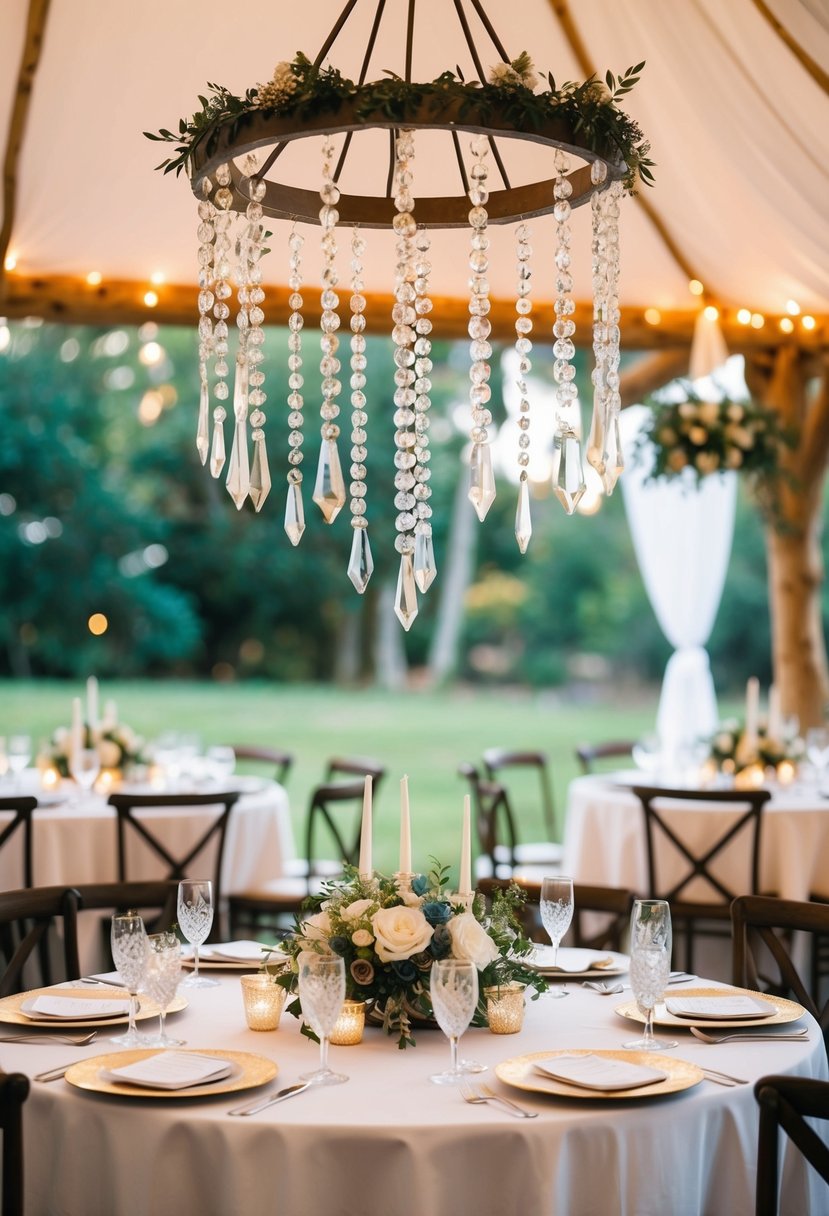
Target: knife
[{"x": 254, "y": 1108}]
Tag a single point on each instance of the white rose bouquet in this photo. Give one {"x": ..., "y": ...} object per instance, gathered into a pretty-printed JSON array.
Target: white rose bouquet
[
  {"x": 389, "y": 939},
  {"x": 731, "y": 751}
]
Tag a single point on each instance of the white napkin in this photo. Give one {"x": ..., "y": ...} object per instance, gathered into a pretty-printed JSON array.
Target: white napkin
[
  {"x": 599, "y": 1072},
  {"x": 237, "y": 952},
  {"x": 719, "y": 1007},
  {"x": 170, "y": 1070},
  {"x": 570, "y": 961},
  {"x": 73, "y": 1009}
]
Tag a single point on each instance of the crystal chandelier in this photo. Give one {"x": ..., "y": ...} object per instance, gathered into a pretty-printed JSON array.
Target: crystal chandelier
[{"x": 590, "y": 151}]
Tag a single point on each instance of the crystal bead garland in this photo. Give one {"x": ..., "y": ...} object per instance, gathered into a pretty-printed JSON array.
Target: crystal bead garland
[
  {"x": 206, "y": 234},
  {"x": 425, "y": 569},
  {"x": 481, "y": 481},
  {"x": 294, "y": 510},
  {"x": 260, "y": 477},
  {"x": 614, "y": 461},
  {"x": 238, "y": 469},
  {"x": 361, "y": 563},
  {"x": 523, "y": 347},
  {"x": 329, "y": 488},
  {"x": 221, "y": 311},
  {"x": 568, "y": 475},
  {"x": 597, "y": 438},
  {"x": 403, "y": 337}
]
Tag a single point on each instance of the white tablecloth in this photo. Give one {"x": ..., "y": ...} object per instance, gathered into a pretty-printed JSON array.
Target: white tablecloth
[{"x": 389, "y": 1143}]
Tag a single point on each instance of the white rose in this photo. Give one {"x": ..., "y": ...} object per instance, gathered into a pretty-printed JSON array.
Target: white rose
[
  {"x": 109, "y": 754},
  {"x": 709, "y": 413},
  {"x": 317, "y": 928},
  {"x": 361, "y": 937},
  {"x": 60, "y": 736},
  {"x": 687, "y": 410},
  {"x": 724, "y": 742},
  {"x": 400, "y": 932},
  {"x": 471, "y": 941},
  {"x": 357, "y": 910},
  {"x": 707, "y": 462}
]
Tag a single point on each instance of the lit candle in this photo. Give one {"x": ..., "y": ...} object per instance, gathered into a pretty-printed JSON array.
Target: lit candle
[
  {"x": 775, "y": 723},
  {"x": 752, "y": 709},
  {"x": 465, "y": 884},
  {"x": 110, "y": 715},
  {"x": 92, "y": 702},
  {"x": 76, "y": 739},
  {"x": 405, "y": 866},
  {"x": 365, "y": 832}
]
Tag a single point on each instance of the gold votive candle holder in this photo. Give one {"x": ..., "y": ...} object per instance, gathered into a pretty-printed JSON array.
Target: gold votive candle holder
[
  {"x": 263, "y": 1000},
  {"x": 505, "y": 1008},
  {"x": 349, "y": 1026}
]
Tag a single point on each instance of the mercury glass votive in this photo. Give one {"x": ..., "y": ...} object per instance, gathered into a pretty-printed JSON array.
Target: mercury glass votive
[
  {"x": 786, "y": 772},
  {"x": 750, "y": 778},
  {"x": 505, "y": 1008},
  {"x": 263, "y": 1001},
  {"x": 348, "y": 1028}
]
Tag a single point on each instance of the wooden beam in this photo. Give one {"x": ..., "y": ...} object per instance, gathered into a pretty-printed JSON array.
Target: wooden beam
[
  {"x": 814, "y": 69},
  {"x": 29, "y": 59},
  {"x": 651, "y": 372}
]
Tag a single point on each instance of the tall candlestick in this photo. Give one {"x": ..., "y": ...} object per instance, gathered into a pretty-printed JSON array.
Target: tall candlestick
[
  {"x": 365, "y": 832},
  {"x": 92, "y": 702},
  {"x": 405, "y": 866},
  {"x": 752, "y": 710},
  {"x": 110, "y": 719},
  {"x": 465, "y": 884},
  {"x": 774, "y": 727},
  {"x": 76, "y": 737}
]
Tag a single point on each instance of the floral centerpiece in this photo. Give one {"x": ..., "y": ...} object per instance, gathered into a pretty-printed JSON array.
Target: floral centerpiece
[
  {"x": 389, "y": 932},
  {"x": 117, "y": 744},
  {"x": 734, "y": 749}
]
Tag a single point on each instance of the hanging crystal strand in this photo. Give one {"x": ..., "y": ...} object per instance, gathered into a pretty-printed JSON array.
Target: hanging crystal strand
[
  {"x": 403, "y": 337},
  {"x": 260, "y": 476},
  {"x": 221, "y": 311},
  {"x": 481, "y": 480},
  {"x": 614, "y": 462},
  {"x": 597, "y": 438},
  {"x": 361, "y": 563},
  {"x": 206, "y": 234},
  {"x": 523, "y": 347},
  {"x": 238, "y": 470},
  {"x": 294, "y": 510},
  {"x": 568, "y": 476},
  {"x": 329, "y": 488},
  {"x": 425, "y": 569}
]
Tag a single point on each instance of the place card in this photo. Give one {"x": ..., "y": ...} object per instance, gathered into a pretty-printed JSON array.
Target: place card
[
  {"x": 170, "y": 1070},
  {"x": 71, "y": 1009},
  {"x": 719, "y": 1007},
  {"x": 599, "y": 1072}
]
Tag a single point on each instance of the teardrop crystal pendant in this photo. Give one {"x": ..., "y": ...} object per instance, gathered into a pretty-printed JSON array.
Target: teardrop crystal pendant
[
  {"x": 481, "y": 479},
  {"x": 203, "y": 431},
  {"x": 615, "y": 458},
  {"x": 523, "y": 519},
  {"x": 405, "y": 600},
  {"x": 424, "y": 561},
  {"x": 361, "y": 563},
  {"x": 217, "y": 453},
  {"x": 329, "y": 489},
  {"x": 260, "y": 475},
  {"x": 597, "y": 440},
  {"x": 568, "y": 478},
  {"x": 294, "y": 513},
  {"x": 238, "y": 470}
]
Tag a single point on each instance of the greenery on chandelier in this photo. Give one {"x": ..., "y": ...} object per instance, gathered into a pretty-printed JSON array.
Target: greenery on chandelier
[{"x": 303, "y": 91}]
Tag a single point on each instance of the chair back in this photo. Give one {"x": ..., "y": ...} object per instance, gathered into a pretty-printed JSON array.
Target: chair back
[
  {"x": 762, "y": 929},
  {"x": 280, "y": 761},
  {"x": 158, "y": 898},
  {"x": 494, "y": 822},
  {"x": 785, "y": 1104},
  {"x": 21, "y": 810},
  {"x": 135, "y": 816},
  {"x": 329, "y": 808},
  {"x": 355, "y": 766},
  {"x": 498, "y": 759},
  {"x": 591, "y": 755},
  {"x": 601, "y": 915},
  {"x": 14, "y": 1090},
  {"x": 26, "y": 917}
]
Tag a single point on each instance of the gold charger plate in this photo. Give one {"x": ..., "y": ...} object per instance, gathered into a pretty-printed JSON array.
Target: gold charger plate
[
  {"x": 787, "y": 1011},
  {"x": 10, "y": 1009},
  {"x": 520, "y": 1073},
  {"x": 248, "y": 1072}
]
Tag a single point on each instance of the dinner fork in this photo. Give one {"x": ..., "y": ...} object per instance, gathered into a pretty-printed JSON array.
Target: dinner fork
[
  {"x": 75, "y": 1040},
  {"x": 476, "y": 1098},
  {"x": 797, "y": 1036}
]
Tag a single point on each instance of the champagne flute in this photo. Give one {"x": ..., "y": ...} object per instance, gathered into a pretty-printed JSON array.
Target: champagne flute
[
  {"x": 817, "y": 749},
  {"x": 161, "y": 977},
  {"x": 453, "y": 987},
  {"x": 19, "y": 754},
  {"x": 129, "y": 953},
  {"x": 321, "y": 995},
  {"x": 556, "y": 906},
  {"x": 195, "y": 917},
  {"x": 84, "y": 767},
  {"x": 650, "y": 965}
]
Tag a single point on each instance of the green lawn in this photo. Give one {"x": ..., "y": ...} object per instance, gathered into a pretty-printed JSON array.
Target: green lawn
[{"x": 425, "y": 735}]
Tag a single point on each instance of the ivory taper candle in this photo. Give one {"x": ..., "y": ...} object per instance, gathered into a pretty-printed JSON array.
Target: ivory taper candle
[
  {"x": 365, "y": 832},
  {"x": 465, "y": 884},
  {"x": 92, "y": 702},
  {"x": 405, "y": 866}
]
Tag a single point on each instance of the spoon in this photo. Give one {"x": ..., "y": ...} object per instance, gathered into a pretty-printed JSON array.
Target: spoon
[
  {"x": 76, "y": 1040},
  {"x": 797, "y": 1036}
]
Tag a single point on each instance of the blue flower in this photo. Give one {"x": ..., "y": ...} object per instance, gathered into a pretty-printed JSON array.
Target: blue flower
[
  {"x": 405, "y": 970},
  {"x": 437, "y": 912},
  {"x": 441, "y": 944},
  {"x": 339, "y": 944},
  {"x": 420, "y": 884}
]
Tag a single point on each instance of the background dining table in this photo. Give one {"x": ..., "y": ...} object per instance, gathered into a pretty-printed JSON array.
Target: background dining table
[{"x": 390, "y": 1143}]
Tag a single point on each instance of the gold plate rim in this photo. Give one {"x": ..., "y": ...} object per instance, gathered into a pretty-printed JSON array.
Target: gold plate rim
[
  {"x": 255, "y": 1070},
  {"x": 10, "y": 1009},
  {"x": 787, "y": 1011},
  {"x": 682, "y": 1075}
]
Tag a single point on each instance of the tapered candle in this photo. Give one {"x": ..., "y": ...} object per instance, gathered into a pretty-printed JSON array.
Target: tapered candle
[
  {"x": 76, "y": 739},
  {"x": 465, "y": 884},
  {"x": 365, "y": 832},
  {"x": 774, "y": 729},
  {"x": 752, "y": 710},
  {"x": 405, "y": 866},
  {"x": 110, "y": 715},
  {"x": 92, "y": 702}
]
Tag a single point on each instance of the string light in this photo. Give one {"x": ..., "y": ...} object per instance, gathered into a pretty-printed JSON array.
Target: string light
[
  {"x": 94, "y": 278},
  {"x": 157, "y": 278},
  {"x": 786, "y": 324},
  {"x": 808, "y": 322},
  {"x": 711, "y": 313},
  {"x": 150, "y": 299},
  {"x": 695, "y": 287},
  {"x": 757, "y": 320},
  {"x": 793, "y": 308},
  {"x": 653, "y": 316},
  {"x": 11, "y": 261},
  {"x": 744, "y": 316}
]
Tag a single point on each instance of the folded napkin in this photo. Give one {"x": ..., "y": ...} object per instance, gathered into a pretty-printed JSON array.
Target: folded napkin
[
  {"x": 570, "y": 961},
  {"x": 72, "y": 1009},
  {"x": 170, "y": 1070},
  {"x": 599, "y": 1072},
  {"x": 719, "y": 1007},
  {"x": 237, "y": 952}
]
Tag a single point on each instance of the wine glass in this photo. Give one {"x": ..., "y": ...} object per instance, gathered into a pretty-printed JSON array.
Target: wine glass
[
  {"x": 129, "y": 953},
  {"x": 453, "y": 987},
  {"x": 650, "y": 965},
  {"x": 19, "y": 754},
  {"x": 84, "y": 767},
  {"x": 556, "y": 914},
  {"x": 221, "y": 761},
  {"x": 817, "y": 749},
  {"x": 161, "y": 978},
  {"x": 321, "y": 995},
  {"x": 195, "y": 918}
]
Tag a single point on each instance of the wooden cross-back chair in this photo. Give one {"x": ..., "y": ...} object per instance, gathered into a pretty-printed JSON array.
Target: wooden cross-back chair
[
  {"x": 14, "y": 1090},
  {"x": 785, "y": 1105},
  {"x": 601, "y": 915},
  {"x": 281, "y": 762},
  {"x": 21, "y": 809},
  {"x": 591, "y": 755},
  {"x": 27, "y": 917},
  {"x": 665, "y": 841},
  {"x": 499, "y": 833}
]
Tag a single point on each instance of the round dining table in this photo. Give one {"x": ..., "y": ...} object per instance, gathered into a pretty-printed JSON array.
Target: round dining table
[{"x": 390, "y": 1143}]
